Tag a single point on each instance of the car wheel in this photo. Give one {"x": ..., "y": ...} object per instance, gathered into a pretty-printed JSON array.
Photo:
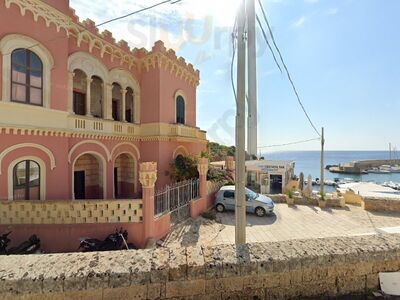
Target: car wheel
[
  {"x": 220, "y": 208},
  {"x": 260, "y": 212}
]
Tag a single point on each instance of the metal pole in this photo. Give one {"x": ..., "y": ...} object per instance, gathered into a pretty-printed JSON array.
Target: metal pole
[
  {"x": 322, "y": 180},
  {"x": 252, "y": 79},
  {"x": 240, "y": 206}
]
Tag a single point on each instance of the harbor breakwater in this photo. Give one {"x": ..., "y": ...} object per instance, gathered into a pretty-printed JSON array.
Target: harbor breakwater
[{"x": 361, "y": 166}]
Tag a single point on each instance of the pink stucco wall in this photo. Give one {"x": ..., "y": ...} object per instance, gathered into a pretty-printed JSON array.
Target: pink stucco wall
[
  {"x": 55, "y": 42},
  {"x": 65, "y": 238}
]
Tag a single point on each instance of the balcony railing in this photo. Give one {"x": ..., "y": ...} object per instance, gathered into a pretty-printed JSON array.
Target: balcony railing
[
  {"x": 88, "y": 124},
  {"x": 49, "y": 119},
  {"x": 93, "y": 125}
]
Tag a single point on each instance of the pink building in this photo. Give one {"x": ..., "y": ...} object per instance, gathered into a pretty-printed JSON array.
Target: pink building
[{"x": 79, "y": 111}]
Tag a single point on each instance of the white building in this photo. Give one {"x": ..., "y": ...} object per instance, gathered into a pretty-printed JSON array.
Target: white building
[{"x": 266, "y": 176}]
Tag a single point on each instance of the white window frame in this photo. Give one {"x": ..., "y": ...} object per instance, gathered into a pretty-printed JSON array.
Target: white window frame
[{"x": 12, "y": 42}]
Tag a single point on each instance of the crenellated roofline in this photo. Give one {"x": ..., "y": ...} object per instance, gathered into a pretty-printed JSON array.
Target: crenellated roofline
[{"x": 87, "y": 32}]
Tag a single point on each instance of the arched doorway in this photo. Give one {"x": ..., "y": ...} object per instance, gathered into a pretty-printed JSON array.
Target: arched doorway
[
  {"x": 124, "y": 176},
  {"x": 88, "y": 177}
]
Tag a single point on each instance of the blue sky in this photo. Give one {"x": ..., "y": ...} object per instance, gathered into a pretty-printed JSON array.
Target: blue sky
[{"x": 344, "y": 57}]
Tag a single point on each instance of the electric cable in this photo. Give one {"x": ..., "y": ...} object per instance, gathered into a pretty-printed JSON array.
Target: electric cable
[{"x": 287, "y": 71}]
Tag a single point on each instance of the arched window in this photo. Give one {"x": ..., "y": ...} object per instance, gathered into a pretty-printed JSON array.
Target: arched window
[
  {"x": 180, "y": 110},
  {"x": 26, "y": 77},
  {"x": 26, "y": 181}
]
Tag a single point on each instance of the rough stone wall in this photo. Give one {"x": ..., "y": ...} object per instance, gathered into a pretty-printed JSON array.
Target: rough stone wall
[
  {"x": 281, "y": 270},
  {"x": 380, "y": 204}
]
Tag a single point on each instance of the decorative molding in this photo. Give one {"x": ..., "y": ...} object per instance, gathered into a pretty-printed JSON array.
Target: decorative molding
[
  {"x": 148, "y": 174},
  {"x": 126, "y": 144},
  {"x": 88, "y": 64},
  {"x": 182, "y": 150},
  {"x": 31, "y": 145},
  {"x": 46, "y": 12},
  {"x": 202, "y": 166},
  {"x": 88, "y": 143},
  {"x": 87, "y": 32}
]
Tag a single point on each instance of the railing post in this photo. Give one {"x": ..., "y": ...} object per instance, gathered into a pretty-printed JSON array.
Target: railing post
[
  {"x": 202, "y": 167},
  {"x": 148, "y": 177}
]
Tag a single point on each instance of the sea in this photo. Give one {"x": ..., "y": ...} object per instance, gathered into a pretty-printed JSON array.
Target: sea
[{"x": 308, "y": 162}]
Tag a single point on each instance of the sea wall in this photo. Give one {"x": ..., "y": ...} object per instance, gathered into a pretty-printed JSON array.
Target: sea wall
[
  {"x": 280, "y": 270},
  {"x": 380, "y": 204},
  {"x": 300, "y": 200}
]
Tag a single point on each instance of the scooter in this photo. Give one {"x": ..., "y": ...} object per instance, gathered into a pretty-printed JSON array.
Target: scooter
[
  {"x": 114, "y": 241},
  {"x": 31, "y": 246},
  {"x": 4, "y": 241}
]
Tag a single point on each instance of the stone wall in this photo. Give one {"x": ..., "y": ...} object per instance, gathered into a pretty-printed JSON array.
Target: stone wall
[
  {"x": 281, "y": 270},
  {"x": 300, "y": 200},
  {"x": 380, "y": 204}
]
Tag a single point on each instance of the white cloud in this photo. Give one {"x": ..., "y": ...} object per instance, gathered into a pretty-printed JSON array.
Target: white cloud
[
  {"x": 333, "y": 11},
  {"x": 300, "y": 22},
  {"x": 220, "y": 72}
]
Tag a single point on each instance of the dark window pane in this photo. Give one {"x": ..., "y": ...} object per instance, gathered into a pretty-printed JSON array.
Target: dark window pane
[
  {"x": 180, "y": 110},
  {"x": 36, "y": 63},
  {"x": 26, "y": 181},
  {"x": 18, "y": 92},
  {"x": 19, "y": 57},
  {"x": 36, "y": 78},
  {"x": 19, "y": 74},
  {"x": 79, "y": 103},
  {"x": 35, "y": 96},
  {"x": 229, "y": 194},
  {"x": 19, "y": 175},
  {"x": 34, "y": 174}
]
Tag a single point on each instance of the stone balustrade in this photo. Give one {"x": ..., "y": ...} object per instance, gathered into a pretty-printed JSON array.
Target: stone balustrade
[
  {"x": 43, "y": 121},
  {"x": 70, "y": 212},
  {"x": 280, "y": 270}
]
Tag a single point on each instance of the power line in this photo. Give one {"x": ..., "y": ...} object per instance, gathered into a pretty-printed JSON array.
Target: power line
[
  {"x": 289, "y": 144},
  {"x": 287, "y": 71},
  {"x": 269, "y": 45},
  {"x": 139, "y": 11}
]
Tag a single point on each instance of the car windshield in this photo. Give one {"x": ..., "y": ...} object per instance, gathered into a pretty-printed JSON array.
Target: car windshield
[{"x": 251, "y": 195}]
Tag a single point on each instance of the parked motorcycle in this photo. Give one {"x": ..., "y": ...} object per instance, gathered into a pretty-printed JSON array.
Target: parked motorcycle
[
  {"x": 4, "y": 241},
  {"x": 114, "y": 241},
  {"x": 31, "y": 246}
]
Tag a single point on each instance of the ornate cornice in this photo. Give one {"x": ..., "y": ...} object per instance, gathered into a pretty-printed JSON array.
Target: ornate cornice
[{"x": 87, "y": 32}]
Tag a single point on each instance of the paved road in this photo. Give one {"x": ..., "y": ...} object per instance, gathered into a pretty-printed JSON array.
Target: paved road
[{"x": 299, "y": 222}]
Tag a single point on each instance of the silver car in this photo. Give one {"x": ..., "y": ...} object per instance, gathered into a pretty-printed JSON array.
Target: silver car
[{"x": 255, "y": 203}]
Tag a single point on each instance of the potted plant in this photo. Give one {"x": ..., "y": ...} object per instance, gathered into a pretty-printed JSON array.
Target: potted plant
[
  {"x": 290, "y": 198},
  {"x": 322, "y": 200}
]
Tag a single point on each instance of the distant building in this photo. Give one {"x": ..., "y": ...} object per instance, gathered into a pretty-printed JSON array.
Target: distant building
[{"x": 266, "y": 176}]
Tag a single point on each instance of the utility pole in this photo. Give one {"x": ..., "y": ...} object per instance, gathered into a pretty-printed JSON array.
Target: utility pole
[
  {"x": 251, "y": 79},
  {"x": 240, "y": 172},
  {"x": 322, "y": 180}
]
